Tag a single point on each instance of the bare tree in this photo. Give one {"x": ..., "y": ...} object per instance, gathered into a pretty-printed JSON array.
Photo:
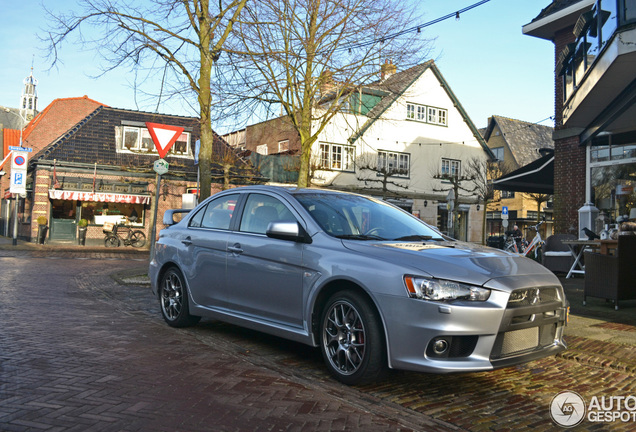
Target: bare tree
[
  {"x": 386, "y": 175},
  {"x": 459, "y": 183},
  {"x": 483, "y": 173},
  {"x": 306, "y": 58},
  {"x": 179, "y": 39},
  {"x": 539, "y": 199}
]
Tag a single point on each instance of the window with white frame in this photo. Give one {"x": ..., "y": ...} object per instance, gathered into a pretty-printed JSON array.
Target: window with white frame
[
  {"x": 394, "y": 163},
  {"x": 451, "y": 167},
  {"x": 283, "y": 146},
  {"x": 262, "y": 149},
  {"x": 336, "y": 157},
  {"x": 410, "y": 111},
  {"x": 427, "y": 114},
  {"x": 132, "y": 139}
]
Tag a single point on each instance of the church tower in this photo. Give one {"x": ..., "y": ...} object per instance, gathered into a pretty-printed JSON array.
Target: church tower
[{"x": 28, "y": 105}]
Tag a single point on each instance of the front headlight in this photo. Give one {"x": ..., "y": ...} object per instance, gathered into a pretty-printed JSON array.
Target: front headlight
[{"x": 442, "y": 290}]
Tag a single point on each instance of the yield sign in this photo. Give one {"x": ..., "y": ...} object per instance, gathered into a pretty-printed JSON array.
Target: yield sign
[{"x": 163, "y": 136}]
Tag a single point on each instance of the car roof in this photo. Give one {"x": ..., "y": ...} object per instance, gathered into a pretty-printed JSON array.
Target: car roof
[{"x": 292, "y": 190}]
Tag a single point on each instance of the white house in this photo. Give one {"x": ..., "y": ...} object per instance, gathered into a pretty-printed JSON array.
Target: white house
[{"x": 394, "y": 139}]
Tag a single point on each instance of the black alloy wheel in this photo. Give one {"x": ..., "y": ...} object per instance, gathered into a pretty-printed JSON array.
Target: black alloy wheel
[
  {"x": 351, "y": 339},
  {"x": 173, "y": 297}
]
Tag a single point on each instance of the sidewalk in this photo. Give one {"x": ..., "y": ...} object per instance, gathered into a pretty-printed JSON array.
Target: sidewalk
[{"x": 6, "y": 243}]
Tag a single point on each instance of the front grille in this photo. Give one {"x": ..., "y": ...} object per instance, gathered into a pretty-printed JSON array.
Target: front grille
[
  {"x": 533, "y": 296},
  {"x": 518, "y": 341},
  {"x": 530, "y": 322}
]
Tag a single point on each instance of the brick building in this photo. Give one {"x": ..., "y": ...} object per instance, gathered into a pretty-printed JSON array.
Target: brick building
[
  {"x": 595, "y": 95},
  {"x": 94, "y": 162}
]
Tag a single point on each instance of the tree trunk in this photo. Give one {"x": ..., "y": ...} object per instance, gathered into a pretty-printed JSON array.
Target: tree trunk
[{"x": 205, "y": 102}]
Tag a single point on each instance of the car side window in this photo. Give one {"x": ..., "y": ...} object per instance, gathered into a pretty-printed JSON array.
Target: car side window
[
  {"x": 260, "y": 210},
  {"x": 216, "y": 214}
]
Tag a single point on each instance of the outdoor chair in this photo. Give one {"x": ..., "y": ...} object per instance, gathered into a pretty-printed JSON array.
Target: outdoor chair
[
  {"x": 612, "y": 277},
  {"x": 556, "y": 255}
]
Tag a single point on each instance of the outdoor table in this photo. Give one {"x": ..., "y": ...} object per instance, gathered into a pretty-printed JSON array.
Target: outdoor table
[
  {"x": 608, "y": 247},
  {"x": 577, "y": 247}
]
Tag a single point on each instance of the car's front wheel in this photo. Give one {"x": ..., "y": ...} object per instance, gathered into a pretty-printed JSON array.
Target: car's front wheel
[
  {"x": 351, "y": 337},
  {"x": 173, "y": 297}
]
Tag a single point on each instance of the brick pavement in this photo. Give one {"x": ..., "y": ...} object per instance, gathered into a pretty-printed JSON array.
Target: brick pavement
[
  {"x": 79, "y": 352},
  {"x": 117, "y": 366}
]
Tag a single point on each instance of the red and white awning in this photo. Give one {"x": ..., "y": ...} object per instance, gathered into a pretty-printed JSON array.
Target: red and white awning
[{"x": 98, "y": 197}]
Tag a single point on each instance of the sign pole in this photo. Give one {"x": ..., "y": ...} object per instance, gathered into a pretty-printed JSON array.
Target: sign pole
[
  {"x": 15, "y": 219},
  {"x": 153, "y": 222}
]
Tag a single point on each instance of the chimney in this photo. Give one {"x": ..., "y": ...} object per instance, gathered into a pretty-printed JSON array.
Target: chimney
[
  {"x": 387, "y": 69},
  {"x": 327, "y": 84}
]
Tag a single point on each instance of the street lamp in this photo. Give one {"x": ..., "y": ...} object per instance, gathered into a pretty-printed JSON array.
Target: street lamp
[{"x": 17, "y": 196}]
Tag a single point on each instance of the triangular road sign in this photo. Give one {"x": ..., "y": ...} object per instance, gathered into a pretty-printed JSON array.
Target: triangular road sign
[{"x": 164, "y": 136}]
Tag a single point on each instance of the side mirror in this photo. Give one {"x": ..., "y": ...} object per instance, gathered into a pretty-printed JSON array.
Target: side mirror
[
  {"x": 168, "y": 216},
  {"x": 286, "y": 230}
]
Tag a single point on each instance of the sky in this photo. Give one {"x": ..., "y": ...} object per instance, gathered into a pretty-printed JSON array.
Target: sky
[{"x": 492, "y": 68}]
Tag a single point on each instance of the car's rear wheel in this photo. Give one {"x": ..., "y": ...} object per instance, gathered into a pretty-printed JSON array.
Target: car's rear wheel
[
  {"x": 173, "y": 297},
  {"x": 351, "y": 337}
]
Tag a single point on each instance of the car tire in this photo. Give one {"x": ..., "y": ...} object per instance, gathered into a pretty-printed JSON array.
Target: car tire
[
  {"x": 173, "y": 300},
  {"x": 352, "y": 339}
]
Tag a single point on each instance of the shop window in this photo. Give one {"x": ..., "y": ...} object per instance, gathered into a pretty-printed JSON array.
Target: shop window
[{"x": 96, "y": 213}]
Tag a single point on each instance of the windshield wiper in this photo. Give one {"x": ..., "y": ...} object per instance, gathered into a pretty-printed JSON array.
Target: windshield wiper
[
  {"x": 416, "y": 237},
  {"x": 359, "y": 237}
]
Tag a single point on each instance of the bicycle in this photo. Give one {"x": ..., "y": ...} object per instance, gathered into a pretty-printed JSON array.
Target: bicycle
[
  {"x": 135, "y": 238},
  {"x": 536, "y": 243},
  {"x": 513, "y": 244}
]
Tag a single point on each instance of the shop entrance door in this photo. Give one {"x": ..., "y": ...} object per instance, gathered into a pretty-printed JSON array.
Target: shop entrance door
[{"x": 63, "y": 220}]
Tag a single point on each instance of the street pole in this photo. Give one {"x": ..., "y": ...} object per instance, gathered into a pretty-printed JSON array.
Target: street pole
[
  {"x": 153, "y": 221},
  {"x": 17, "y": 196},
  {"x": 15, "y": 219}
]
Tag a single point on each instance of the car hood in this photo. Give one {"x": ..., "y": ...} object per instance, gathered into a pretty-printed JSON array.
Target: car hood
[{"x": 458, "y": 261}]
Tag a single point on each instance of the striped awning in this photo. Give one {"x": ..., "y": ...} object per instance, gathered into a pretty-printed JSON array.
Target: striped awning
[{"x": 98, "y": 197}]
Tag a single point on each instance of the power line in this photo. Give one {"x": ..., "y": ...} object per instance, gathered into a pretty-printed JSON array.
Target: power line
[{"x": 414, "y": 29}]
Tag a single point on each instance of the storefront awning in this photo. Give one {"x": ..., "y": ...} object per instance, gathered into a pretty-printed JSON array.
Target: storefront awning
[
  {"x": 98, "y": 197},
  {"x": 536, "y": 177}
]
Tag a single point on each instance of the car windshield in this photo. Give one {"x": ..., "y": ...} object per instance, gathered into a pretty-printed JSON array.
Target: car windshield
[{"x": 361, "y": 218}]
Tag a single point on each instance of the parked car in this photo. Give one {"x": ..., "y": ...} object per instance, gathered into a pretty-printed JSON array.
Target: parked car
[{"x": 368, "y": 283}]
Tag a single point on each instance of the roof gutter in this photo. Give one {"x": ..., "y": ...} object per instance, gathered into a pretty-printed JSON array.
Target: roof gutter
[{"x": 541, "y": 27}]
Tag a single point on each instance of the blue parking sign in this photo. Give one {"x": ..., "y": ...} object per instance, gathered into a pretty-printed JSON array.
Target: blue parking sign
[{"x": 18, "y": 178}]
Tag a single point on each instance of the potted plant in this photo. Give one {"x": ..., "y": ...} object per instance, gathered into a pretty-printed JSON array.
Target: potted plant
[
  {"x": 42, "y": 228},
  {"x": 81, "y": 229}
]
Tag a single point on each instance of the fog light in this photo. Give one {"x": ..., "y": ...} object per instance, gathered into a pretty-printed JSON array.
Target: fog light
[{"x": 440, "y": 346}]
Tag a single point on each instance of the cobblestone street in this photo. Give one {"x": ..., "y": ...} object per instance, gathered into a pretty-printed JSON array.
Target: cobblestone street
[{"x": 81, "y": 351}]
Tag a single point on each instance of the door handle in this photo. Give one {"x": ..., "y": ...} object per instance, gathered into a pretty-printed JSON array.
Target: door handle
[
  {"x": 236, "y": 249},
  {"x": 187, "y": 241}
]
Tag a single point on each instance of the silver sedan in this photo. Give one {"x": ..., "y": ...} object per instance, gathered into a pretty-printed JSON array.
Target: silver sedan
[{"x": 371, "y": 285}]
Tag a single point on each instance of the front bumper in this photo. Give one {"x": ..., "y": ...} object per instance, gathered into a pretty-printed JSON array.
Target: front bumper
[{"x": 474, "y": 336}]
